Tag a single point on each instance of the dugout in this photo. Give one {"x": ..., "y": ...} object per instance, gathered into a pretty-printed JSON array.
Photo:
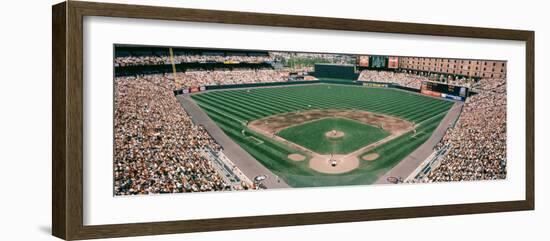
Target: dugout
[{"x": 336, "y": 71}]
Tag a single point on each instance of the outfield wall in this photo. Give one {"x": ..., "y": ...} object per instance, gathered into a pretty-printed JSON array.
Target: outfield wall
[
  {"x": 341, "y": 71},
  {"x": 406, "y": 88}
]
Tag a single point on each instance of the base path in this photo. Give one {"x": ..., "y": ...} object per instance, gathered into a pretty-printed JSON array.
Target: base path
[
  {"x": 275, "y": 123},
  {"x": 413, "y": 160},
  {"x": 242, "y": 159},
  {"x": 323, "y": 163}
]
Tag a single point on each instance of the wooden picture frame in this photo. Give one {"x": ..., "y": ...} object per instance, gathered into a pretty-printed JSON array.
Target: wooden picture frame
[{"x": 67, "y": 119}]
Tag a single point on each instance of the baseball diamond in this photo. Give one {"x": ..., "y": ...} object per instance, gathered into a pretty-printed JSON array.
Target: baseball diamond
[{"x": 332, "y": 141}]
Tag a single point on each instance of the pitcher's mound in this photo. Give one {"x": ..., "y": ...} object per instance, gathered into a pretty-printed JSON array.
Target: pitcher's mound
[
  {"x": 296, "y": 157},
  {"x": 334, "y": 134},
  {"x": 371, "y": 157}
]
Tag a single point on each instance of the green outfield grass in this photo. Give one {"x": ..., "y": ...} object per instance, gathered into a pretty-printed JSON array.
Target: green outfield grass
[
  {"x": 232, "y": 109},
  {"x": 311, "y": 135}
]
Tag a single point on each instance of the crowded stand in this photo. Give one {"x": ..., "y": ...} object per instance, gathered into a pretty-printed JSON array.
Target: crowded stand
[
  {"x": 227, "y": 77},
  {"x": 222, "y": 76},
  {"x": 403, "y": 79},
  {"x": 477, "y": 143},
  {"x": 157, "y": 147},
  {"x": 189, "y": 58},
  {"x": 326, "y": 58},
  {"x": 460, "y": 82}
]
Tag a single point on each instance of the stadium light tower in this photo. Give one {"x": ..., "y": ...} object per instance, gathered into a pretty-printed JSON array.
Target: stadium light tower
[{"x": 173, "y": 64}]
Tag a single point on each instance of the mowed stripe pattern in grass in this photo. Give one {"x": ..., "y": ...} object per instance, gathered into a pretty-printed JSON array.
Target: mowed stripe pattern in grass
[
  {"x": 231, "y": 109},
  {"x": 311, "y": 135}
]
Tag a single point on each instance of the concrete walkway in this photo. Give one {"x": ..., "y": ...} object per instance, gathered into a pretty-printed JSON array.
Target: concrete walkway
[
  {"x": 242, "y": 159},
  {"x": 411, "y": 162}
]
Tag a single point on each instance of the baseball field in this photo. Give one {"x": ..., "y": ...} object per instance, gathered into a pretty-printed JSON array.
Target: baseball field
[{"x": 325, "y": 134}]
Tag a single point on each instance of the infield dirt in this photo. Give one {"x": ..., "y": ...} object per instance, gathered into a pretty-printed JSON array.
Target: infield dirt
[
  {"x": 275, "y": 123},
  {"x": 271, "y": 125}
]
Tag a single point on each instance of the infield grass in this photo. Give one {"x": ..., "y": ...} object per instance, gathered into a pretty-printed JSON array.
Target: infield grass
[{"x": 311, "y": 135}]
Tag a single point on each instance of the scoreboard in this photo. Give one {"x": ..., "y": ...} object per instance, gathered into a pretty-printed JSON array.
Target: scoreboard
[
  {"x": 444, "y": 90},
  {"x": 378, "y": 61}
]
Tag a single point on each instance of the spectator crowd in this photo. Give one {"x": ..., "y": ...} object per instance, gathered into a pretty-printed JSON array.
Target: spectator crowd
[
  {"x": 227, "y": 77},
  {"x": 157, "y": 147},
  {"x": 188, "y": 58},
  {"x": 403, "y": 79},
  {"x": 325, "y": 58},
  {"x": 477, "y": 143}
]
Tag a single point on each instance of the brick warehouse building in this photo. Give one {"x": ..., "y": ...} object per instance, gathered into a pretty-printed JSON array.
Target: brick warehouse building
[{"x": 469, "y": 68}]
